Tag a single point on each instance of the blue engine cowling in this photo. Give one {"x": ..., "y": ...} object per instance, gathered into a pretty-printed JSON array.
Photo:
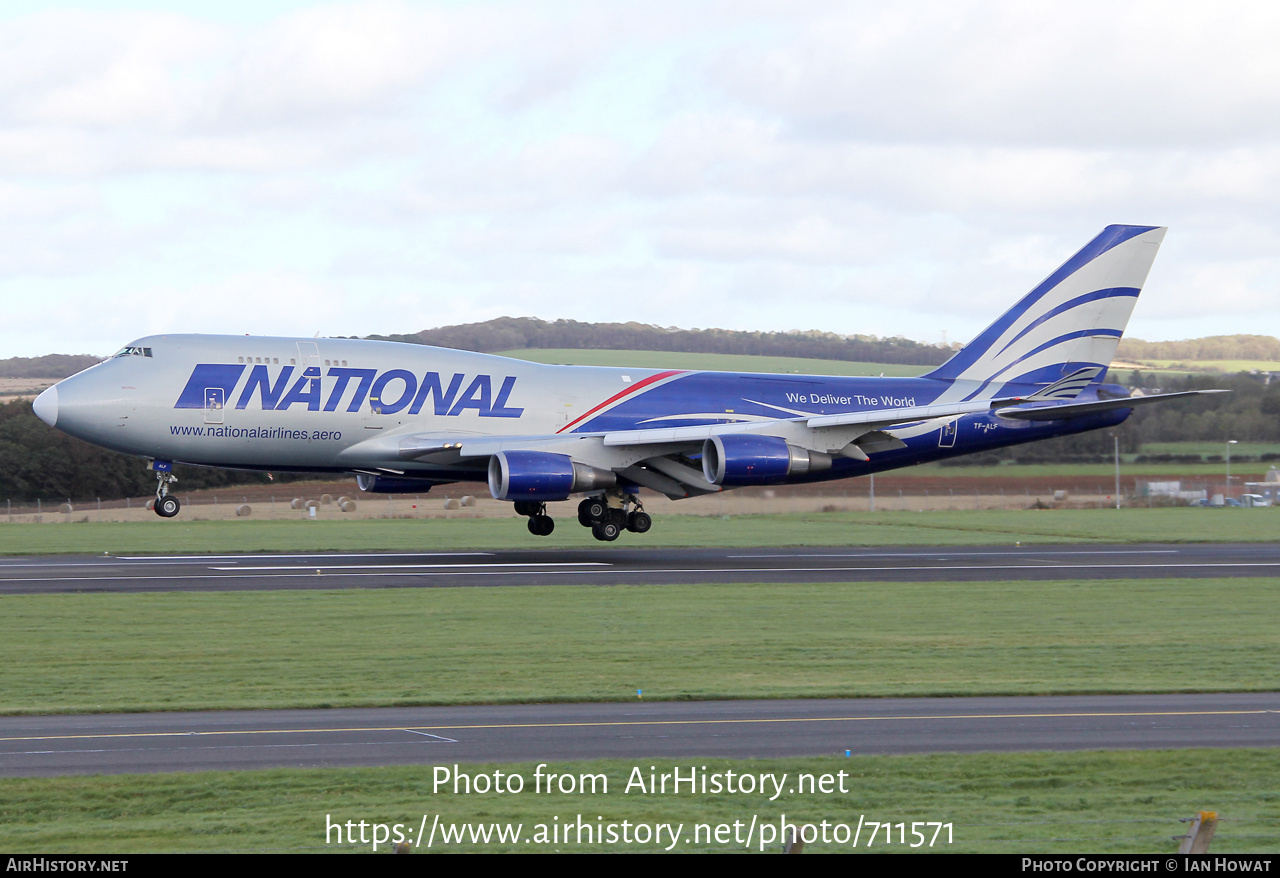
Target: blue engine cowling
[
  {"x": 392, "y": 485},
  {"x": 542, "y": 476},
  {"x": 737, "y": 459}
]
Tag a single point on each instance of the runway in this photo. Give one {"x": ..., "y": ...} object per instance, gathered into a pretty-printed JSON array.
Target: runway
[
  {"x": 632, "y": 566},
  {"x": 117, "y": 743},
  {"x": 85, "y": 744}
]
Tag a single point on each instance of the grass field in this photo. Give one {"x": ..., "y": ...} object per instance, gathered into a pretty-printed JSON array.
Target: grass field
[
  {"x": 714, "y": 362},
  {"x": 1052, "y": 803},
  {"x": 102, "y": 652},
  {"x": 806, "y": 366},
  {"x": 943, "y": 528},
  {"x": 1208, "y": 448},
  {"x": 275, "y": 649},
  {"x": 1212, "y": 365},
  {"x": 96, "y": 652},
  {"x": 1128, "y": 469}
]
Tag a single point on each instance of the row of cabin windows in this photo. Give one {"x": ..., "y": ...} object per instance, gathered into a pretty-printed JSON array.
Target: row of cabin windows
[{"x": 267, "y": 360}]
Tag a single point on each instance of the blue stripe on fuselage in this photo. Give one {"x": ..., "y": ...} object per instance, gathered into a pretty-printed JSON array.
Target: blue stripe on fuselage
[
  {"x": 699, "y": 394},
  {"x": 204, "y": 377}
]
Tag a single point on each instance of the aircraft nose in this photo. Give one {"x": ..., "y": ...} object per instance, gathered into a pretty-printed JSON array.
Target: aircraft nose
[{"x": 46, "y": 406}]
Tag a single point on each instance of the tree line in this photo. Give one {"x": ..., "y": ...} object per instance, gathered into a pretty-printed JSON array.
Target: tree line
[
  {"x": 48, "y": 366},
  {"x": 1249, "y": 413},
  {"x": 1213, "y": 347},
  {"x": 519, "y": 333},
  {"x": 39, "y": 462}
]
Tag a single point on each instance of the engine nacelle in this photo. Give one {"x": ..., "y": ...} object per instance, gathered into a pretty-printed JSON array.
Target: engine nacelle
[
  {"x": 392, "y": 484},
  {"x": 542, "y": 476},
  {"x": 743, "y": 459}
]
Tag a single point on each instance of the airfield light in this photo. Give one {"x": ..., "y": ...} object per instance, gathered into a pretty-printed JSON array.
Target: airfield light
[{"x": 1116, "y": 440}]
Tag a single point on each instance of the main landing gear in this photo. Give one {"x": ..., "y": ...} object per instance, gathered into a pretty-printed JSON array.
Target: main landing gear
[
  {"x": 540, "y": 524},
  {"x": 166, "y": 505},
  {"x": 607, "y": 521},
  {"x": 608, "y": 515}
]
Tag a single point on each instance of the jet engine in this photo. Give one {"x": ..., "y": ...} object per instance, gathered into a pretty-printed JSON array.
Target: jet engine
[
  {"x": 742, "y": 459},
  {"x": 392, "y": 485},
  {"x": 543, "y": 476}
]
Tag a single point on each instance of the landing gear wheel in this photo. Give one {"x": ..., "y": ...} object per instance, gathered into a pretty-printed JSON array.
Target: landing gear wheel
[
  {"x": 529, "y": 507},
  {"x": 605, "y": 531},
  {"x": 591, "y": 510},
  {"x": 165, "y": 505},
  {"x": 639, "y": 522},
  {"x": 541, "y": 525}
]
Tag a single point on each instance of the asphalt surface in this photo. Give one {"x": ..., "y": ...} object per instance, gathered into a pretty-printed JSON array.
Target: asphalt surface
[
  {"x": 639, "y": 566},
  {"x": 115, "y": 743},
  {"x": 664, "y": 731}
]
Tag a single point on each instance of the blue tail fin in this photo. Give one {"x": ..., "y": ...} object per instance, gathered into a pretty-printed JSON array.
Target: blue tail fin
[{"x": 1073, "y": 320}]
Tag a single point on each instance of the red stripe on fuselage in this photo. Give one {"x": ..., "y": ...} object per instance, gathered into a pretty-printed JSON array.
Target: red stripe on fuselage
[{"x": 639, "y": 385}]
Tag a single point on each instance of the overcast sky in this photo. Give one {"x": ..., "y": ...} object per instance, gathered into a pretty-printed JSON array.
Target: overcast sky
[{"x": 288, "y": 168}]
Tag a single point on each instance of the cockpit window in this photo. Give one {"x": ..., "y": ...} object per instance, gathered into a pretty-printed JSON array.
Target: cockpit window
[{"x": 131, "y": 351}]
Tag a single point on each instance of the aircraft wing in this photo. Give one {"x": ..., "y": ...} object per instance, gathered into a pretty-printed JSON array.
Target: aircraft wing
[{"x": 660, "y": 458}]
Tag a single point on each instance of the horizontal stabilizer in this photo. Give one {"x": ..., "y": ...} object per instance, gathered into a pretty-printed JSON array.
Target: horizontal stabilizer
[{"x": 1076, "y": 409}]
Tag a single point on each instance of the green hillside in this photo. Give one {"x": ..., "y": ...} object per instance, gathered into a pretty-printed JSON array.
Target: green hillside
[
  {"x": 1208, "y": 366},
  {"x": 712, "y": 362}
]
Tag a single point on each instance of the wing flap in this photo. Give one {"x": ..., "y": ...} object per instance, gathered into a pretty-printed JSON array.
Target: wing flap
[{"x": 888, "y": 417}]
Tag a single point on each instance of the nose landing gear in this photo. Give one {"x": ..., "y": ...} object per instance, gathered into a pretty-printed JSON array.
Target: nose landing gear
[{"x": 166, "y": 505}]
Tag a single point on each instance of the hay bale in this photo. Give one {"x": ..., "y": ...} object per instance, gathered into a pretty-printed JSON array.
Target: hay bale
[
  {"x": 243, "y": 511},
  {"x": 295, "y": 503},
  {"x": 452, "y": 504}
]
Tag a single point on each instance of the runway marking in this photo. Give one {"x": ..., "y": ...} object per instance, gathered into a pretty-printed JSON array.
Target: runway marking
[
  {"x": 329, "y": 555},
  {"x": 649, "y": 722},
  {"x": 503, "y": 565},
  {"x": 213, "y": 747},
  {"x": 78, "y": 563},
  {"x": 939, "y": 553},
  {"x": 472, "y": 570},
  {"x": 429, "y": 735}
]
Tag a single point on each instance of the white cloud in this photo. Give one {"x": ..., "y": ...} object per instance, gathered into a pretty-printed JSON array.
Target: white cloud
[
  {"x": 336, "y": 60},
  {"x": 854, "y": 166},
  {"x": 1087, "y": 74}
]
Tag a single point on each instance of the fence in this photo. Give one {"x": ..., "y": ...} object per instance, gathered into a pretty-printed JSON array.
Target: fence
[{"x": 831, "y": 497}]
